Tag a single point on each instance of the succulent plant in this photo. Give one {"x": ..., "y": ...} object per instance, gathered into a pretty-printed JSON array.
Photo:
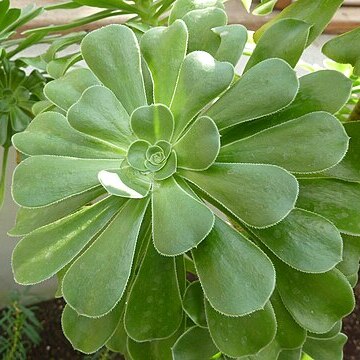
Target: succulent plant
[
  {"x": 18, "y": 92},
  {"x": 159, "y": 162}
]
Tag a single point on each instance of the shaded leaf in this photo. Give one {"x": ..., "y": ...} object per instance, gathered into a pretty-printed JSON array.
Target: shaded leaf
[
  {"x": 316, "y": 301},
  {"x": 194, "y": 344},
  {"x": 89, "y": 334},
  {"x": 324, "y": 349},
  {"x": 154, "y": 308},
  {"x": 227, "y": 265},
  {"x": 118, "y": 340},
  {"x": 193, "y": 304},
  {"x": 351, "y": 257},
  {"x": 240, "y": 336},
  {"x": 349, "y": 167},
  {"x": 344, "y": 49},
  {"x": 289, "y": 334},
  {"x": 95, "y": 283},
  {"x": 337, "y": 200}
]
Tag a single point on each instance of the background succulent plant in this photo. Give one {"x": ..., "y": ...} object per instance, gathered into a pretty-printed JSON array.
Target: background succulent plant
[{"x": 158, "y": 163}]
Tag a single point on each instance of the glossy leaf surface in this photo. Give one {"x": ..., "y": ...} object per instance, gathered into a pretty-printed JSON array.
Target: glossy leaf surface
[{"x": 227, "y": 264}]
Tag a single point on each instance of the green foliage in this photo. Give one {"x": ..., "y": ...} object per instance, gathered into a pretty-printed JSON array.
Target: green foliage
[
  {"x": 19, "y": 329},
  {"x": 157, "y": 164}
]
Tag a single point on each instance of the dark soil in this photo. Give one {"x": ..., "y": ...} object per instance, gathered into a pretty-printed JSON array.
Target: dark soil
[
  {"x": 54, "y": 346},
  {"x": 351, "y": 327}
]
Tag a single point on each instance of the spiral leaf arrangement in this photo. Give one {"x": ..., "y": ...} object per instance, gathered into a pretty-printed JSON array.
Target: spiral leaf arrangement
[{"x": 158, "y": 163}]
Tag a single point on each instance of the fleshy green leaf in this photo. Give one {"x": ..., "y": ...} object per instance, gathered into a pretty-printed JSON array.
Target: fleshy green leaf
[
  {"x": 127, "y": 182},
  {"x": 316, "y": 13},
  {"x": 337, "y": 200},
  {"x": 165, "y": 64},
  {"x": 200, "y": 145},
  {"x": 118, "y": 340},
  {"x": 286, "y": 39},
  {"x": 351, "y": 257},
  {"x": 265, "y": 89},
  {"x": 152, "y": 123},
  {"x": 28, "y": 220},
  {"x": 232, "y": 42},
  {"x": 227, "y": 264},
  {"x": 154, "y": 308},
  {"x": 289, "y": 334},
  {"x": 89, "y": 334},
  {"x": 200, "y": 23},
  {"x": 201, "y": 79},
  {"x": 182, "y": 7},
  {"x": 44, "y": 180},
  {"x": 193, "y": 304},
  {"x": 291, "y": 355},
  {"x": 259, "y": 195},
  {"x": 316, "y": 301},
  {"x": 325, "y": 349},
  {"x": 58, "y": 67},
  {"x": 50, "y": 134},
  {"x": 304, "y": 240},
  {"x": 95, "y": 283},
  {"x": 67, "y": 90},
  {"x": 313, "y": 95},
  {"x": 318, "y": 141},
  {"x": 169, "y": 169},
  {"x": 153, "y": 350},
  {"x": 247, "y": 4},
  {"x": 43, "y": 252},
  {"x": 240, "y": 336},
  {"x": 113, "y": 54},
  {"x": 136, "y": 155},
  {"x": 345, "y": 49},
  {"x": 349, "y": 167},
  {"x": 195, "y": 343},
  {"x": 265, "y": 7},
  {"x": 100, "y": 114},
  {"x": 181, "y": 273},
  {"x": 175, "y": 228}
]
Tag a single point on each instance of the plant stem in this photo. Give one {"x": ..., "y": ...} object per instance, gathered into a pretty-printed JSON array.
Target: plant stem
[
  {"x": 355, "y": 114},
  {"x": 3, "y": 175},
  {"x": 17, "y": 332}
]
